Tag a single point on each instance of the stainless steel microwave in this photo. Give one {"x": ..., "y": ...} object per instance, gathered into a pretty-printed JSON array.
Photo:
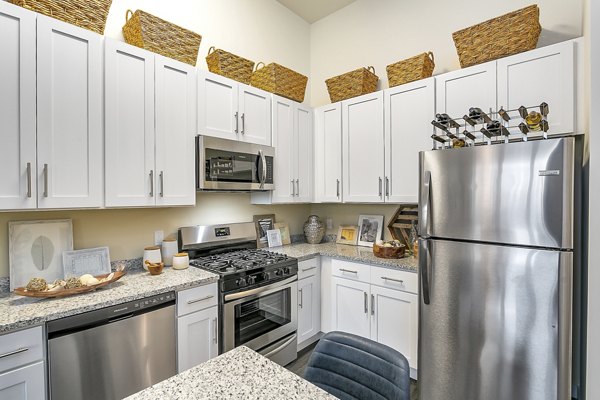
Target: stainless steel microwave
[{"x": 229, "y": 165}]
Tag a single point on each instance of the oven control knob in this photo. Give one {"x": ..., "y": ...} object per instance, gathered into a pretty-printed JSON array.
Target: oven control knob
[
  {"x": 266, "y": 276},
  {"x": 251, "y": 280},
  {"x": 287, "y": 270},
  {"x": 241, "y": 282},
  {"x": 279, "y": 272}
]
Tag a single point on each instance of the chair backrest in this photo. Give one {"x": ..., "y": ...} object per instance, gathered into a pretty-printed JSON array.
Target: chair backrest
[{"x": 352, "y": 367}]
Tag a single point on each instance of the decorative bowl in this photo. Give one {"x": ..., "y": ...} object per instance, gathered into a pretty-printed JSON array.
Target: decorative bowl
[{"x": 389, "y": 252}]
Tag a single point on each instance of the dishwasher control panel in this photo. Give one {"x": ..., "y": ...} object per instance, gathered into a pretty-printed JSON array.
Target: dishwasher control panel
[{"x": 152, "y": 301}]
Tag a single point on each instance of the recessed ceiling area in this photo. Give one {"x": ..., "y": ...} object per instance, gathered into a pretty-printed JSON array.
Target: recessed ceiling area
[{"x": 313, "y": 10}]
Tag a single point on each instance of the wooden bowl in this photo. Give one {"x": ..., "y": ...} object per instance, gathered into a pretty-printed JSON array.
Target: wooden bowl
[
  {"x": 388, "y": 252},
  {"x": 155, "y": 268}
]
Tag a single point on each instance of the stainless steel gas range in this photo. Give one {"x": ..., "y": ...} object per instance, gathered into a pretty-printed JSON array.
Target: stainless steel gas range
[{"x": 257, "y": 288}]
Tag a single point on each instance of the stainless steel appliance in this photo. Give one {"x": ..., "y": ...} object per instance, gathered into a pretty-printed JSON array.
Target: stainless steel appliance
[
  {"x": 112, "y": 352},
  {"x": 258, "y": 289},
  {"x": 229, "y": 165},
  {"x": 499, "y": 271}
]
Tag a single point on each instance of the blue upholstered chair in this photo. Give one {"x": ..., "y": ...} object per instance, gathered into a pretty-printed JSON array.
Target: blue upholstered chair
[{"x": 351, "y": 367}]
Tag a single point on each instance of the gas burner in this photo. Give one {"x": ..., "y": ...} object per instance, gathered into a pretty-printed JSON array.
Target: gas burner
[{"x": 229, "y": 269}]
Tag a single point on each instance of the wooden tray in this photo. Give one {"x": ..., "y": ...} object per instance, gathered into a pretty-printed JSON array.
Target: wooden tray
[
  {"x": 21, "y": 291},
  {"x": 401, "y": 223}
]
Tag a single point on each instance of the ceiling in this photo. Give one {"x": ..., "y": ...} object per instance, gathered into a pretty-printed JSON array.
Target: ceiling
[{"x": 314, "y": 10}]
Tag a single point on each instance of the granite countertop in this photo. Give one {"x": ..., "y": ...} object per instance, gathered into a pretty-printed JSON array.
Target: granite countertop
[
  {"x": 17, "y": 312},
  {"x": 303, "y": 251},
  {"x": 238, "y": 374}
]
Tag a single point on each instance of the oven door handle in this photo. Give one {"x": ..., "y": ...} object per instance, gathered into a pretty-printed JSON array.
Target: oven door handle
[{"x": 277, "y": 285}]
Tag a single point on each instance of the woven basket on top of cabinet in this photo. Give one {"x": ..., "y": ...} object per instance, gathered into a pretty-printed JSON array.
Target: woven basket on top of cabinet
[
  {"x": 229, "y": 65},
  {"x": 280, "y": 80},
  {"x": 499, "y": 37},
  {"x": 159, "y": 36},
  {"x": 88, "y": 14},
  {"x": 411, "y": 69},
  {"x": 351, "y": 84}
]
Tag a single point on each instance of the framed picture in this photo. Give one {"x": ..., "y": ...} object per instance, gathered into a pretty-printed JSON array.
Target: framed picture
[
  {"x": 285, "y": 232},
  {"x": 347, "y": 234},
  {"x": 370, "y": 228},
  {"x": 274, "y": 237},
  {"x": 35, "y": 250},
  {"x": 263, "y": 223},
  {"x": 87, "y": 261}
]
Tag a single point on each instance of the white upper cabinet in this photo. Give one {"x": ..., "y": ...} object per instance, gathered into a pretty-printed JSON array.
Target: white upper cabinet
[
  {"x": 328, "y": 154},
  {"x": 17, "y": 108},
  {"x": 232, "y": 110},
  {"x": 363, "y": 149},
  {"x": 303, "y": 120},
  {"x": 546, "y": 75},
  {"x": 129, "y": 124},
  {"x": 409, "y": 110},
  {"x": 175, "y": 95},
  {"x": 69, "y": 116}
]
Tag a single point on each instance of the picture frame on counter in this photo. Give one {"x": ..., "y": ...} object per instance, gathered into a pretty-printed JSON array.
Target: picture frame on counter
[
  {"x": 370, "y": 228},
  {"x": 262, "y": 224},
  {"x": 35, "y": 250},
  {"x": 347, "y": 234},
  {"x": 284, "y": 228},
  {"x": 94, "y": 261},
  {"x": 274, "y": 238}
]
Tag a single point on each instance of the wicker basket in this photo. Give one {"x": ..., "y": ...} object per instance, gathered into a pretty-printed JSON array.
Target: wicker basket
[
  {"x": 229, "y": 65},
  {"x": 88, "y": 14},
  {"x": 506, "y": 35},
  {"x": 280, "y": 80},
  {"x": 351, "y": 84},
  {"x": 159, "y": 36},
  {"x": 411, "y": 69}
]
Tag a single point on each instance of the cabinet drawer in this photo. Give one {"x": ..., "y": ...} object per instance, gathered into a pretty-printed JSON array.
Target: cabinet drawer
[
  {"x": 308, "y": 268},
  {"x": 351, "y": 270},
  {"x": 20, "y": 348},
  {"x": 196, "y": 299},
  {"x": 395, "y": 279}
]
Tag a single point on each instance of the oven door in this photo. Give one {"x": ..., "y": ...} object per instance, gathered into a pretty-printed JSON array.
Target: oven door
[{"x": 259, "y": 317}]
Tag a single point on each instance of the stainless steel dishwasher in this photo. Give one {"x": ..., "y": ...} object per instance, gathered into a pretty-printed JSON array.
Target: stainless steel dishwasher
[{"x": 113, "y": 352}]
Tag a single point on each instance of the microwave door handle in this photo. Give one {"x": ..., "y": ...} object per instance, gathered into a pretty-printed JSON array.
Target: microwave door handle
[{"x": 263, "y": 175}]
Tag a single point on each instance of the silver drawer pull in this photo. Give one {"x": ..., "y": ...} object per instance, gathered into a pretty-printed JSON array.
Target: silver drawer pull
[
  {"x": 12, "y": 353},
  {"x": 385, "y": 278},
  {"x": 198, "y": 300},
  {"x": 349, "y": 271},
  {"x": 308, "y": 269}
]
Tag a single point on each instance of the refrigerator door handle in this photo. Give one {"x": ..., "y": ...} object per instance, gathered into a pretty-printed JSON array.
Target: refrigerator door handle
[
  {"x": 424, "y": 263},
  {"x": 425, "y": 204}
]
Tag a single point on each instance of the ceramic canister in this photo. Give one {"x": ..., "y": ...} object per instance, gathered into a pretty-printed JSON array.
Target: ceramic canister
[
  {"x": 152, "y": 254},
  {"x": 169, "y": 249},
  {"x": 181, "y": 261}
]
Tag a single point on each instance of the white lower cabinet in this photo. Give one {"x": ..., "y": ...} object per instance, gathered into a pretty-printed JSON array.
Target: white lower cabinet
[
  {"x": 351, "y": 306},
  {"x": 25, "y": 383},
  {"x": 309, "y": 301}
]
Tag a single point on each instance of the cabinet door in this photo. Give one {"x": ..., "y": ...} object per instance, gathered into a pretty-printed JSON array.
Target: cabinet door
[
  {"x": 197, "y": 338},
  {"x": 69, "y": 109},
  {"x": 408, "y": 112},
  {"x": 394, "y": 321},
  {"x": 129, "y": 125},
  {"x": 217, "y": 106},
  {"x": 255, "y": 115},
  {"x": 363, "y": 140},
  {"x": 523, "y": 80},
  {"x": 328, "y": 154},
  {"x": 26, "y": 383},
  {"x": 175, "y": 131},
  {"x": 284, "y": 174},
  {"x": 309, "y": 305},
  {"x": 351, "y": 306},
  {"x": 303, "y": 153},
  {"x": 17, "y": 108}
]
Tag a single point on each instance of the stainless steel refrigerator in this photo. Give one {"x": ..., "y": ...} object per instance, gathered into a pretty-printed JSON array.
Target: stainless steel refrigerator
[{"x": 498, "y": 228}]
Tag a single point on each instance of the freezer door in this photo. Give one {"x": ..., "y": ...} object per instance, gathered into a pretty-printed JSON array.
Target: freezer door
[
  {"x": 494, "y": 322},
  {"x": 517, "y": 193}
]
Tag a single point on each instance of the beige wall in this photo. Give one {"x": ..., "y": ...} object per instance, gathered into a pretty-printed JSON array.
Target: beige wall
[{"x": 382, "y": 32}]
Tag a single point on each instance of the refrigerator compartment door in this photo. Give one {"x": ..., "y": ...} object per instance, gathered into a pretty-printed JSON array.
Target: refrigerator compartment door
[
  {"x": 516, "y": 193},
  {"x": 498, "y": 324}
]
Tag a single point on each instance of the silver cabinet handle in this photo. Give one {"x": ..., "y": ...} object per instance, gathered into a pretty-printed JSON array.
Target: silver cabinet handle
[
  {"x": 425, "y": 205},
  {"x": 45, "y": 180},
  {"x": 236, "y": 122},
  {"x": 380, "y": 187},
  {"x": 298, "y": 187},
  {"x": 372, "y": 304},
  {"x": 198, "y": 300},
  {"x": 293, "y": 188},
  {"x": 308, "y": 269},
  {"x": 162, "y": 184},
  {"x": 29, "y": 179},
  {"x": 152, "y": 183},
  {"x": 301, "y": 299},
  {"x": 387, "y": 187},
  {"x": 366, "y": 303},
  {"x": 385, "y": 278},
  {"x": 243, "y": 123},
  {"x": 349, "y": 271},
  {"x": 215, "y": 330},
  {"x": 14, "y": 352},
  {"x": 337, "y": 181}
]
